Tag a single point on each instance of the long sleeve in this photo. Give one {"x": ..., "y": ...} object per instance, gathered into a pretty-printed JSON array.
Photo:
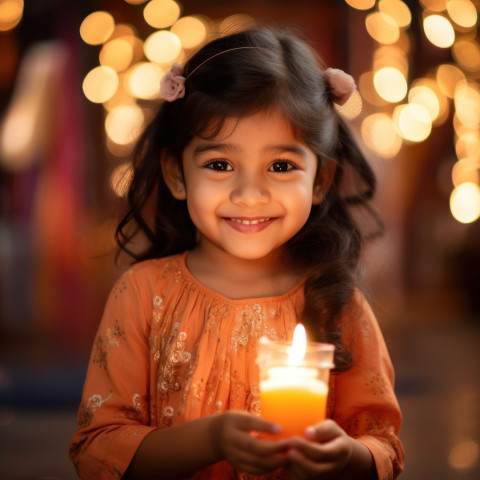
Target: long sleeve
[
  {"x": 364, "y": 400},
  {"x": 113, "y": 417}
]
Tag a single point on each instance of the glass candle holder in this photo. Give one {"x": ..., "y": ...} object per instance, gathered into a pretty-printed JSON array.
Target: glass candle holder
[{"x": 294, "y": 389}]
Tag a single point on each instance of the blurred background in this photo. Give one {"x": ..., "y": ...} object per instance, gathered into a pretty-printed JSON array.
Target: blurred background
[{"x": 79, "y": 80}]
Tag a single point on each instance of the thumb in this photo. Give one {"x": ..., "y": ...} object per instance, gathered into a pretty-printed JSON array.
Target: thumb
[
  {"x": 323, "y": 431},
  {"x": 250, "y": 422}
]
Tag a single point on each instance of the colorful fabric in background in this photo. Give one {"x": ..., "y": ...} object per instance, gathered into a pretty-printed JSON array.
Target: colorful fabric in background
[{"x": 52, "y": 287}]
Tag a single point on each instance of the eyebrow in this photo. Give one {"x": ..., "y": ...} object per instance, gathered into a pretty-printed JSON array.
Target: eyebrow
[{"x": 228, "y": 147}]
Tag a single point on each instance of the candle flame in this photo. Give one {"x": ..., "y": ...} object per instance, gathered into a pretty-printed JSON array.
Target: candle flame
[{"x": 299, "y": 346}]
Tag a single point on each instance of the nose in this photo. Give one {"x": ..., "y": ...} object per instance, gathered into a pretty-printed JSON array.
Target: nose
[{"x": 249, "y": 190}]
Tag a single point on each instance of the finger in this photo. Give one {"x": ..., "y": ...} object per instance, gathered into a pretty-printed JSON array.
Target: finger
[
  {"x": 249, "y": 422},
  {"x": 324, "y": 431},
  {"x": 303, "y": 467},
  {"x": 251, "y": 463}
]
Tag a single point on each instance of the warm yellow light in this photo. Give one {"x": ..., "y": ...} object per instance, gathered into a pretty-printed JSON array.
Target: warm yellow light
[
  {"x": 382, "y": 27},
  {"x": 161, "y": 13},
  {"x": 434, "y": 5},
  {"x": 121, "y": 178},
  {"x": 100, "y": 84},
  {"x": 390, "y": 56},
  {"x": 235, "y": 23},
  {"x": 380, "y": 135},
  {"x": 397, "y": 10},
  {"x": 439, "y": 31},
  {"x": 97, "y": 28},
  {"x": 121, "y": 97},
  {"x": 465, "y": 170},
  {"x": 462, "y": 12},
  {"x": 467, "y": 55},
  {"x": 361, "y": 4},
  {"x": 390, "y": 84},
  {"x": 413, "y": 122},
  {"x": 468, "y": 145},
  {"x": 11, "y": 13},
  {"x": 467, "y": 104},
  {"x": 465, "y": 207},
  {"x": 352, "y": 108},
  {"x": 367, "y": 89},
  {"x": 124, "y": 124},
  {"x": 443, "y": 102},
  {"x": 299, "y": 346},
  {"x": 448, "y": 77},
  {"x": 143, "y": 80},
  {"x": 423, "y": 95},
  {"x": 117, "y": 54},
  {"x": 190, "y": 30},
  {"x": 17, "y": 137},
  {"x": 162, "y": 47}
]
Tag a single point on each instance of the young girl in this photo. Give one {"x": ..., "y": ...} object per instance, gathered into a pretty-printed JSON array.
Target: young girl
[{"x": 239, "y": 199}]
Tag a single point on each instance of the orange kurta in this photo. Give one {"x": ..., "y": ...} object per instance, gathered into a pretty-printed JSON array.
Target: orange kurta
[{"x": 169, "y": 350}]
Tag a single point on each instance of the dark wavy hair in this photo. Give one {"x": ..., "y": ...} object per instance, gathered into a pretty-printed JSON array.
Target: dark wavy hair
[{"x": 282, "y": 72}]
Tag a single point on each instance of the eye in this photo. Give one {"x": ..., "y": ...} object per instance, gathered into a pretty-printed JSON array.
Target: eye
[
  {"x": 281, "y": 166},
  {"x": 219, "y": 166}
]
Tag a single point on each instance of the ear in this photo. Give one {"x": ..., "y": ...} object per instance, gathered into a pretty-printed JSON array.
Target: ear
[
  {"x": 324, "y": 180},
  {"x": 173, "y": 176}
]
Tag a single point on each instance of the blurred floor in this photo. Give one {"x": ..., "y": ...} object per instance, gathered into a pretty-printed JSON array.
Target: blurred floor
[{"x": 438, "y": 384}]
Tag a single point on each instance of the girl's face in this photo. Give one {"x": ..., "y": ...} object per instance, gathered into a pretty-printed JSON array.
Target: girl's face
[{"x": 250, "y": 188}]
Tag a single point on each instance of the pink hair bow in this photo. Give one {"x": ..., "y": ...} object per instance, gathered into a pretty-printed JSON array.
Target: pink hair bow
[
  {"x": 342, "y": 85},
  {"x": 172, "y": 85}
]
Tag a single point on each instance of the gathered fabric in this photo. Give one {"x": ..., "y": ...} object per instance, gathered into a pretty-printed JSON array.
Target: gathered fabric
[{"x": 170, "y": 350}]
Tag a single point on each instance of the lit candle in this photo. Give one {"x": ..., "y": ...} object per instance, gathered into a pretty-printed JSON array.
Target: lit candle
[{"x": 294, "y": 382}]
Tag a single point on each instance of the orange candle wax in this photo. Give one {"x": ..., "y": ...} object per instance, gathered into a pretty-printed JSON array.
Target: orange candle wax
[{"x": 294, "y": 398}]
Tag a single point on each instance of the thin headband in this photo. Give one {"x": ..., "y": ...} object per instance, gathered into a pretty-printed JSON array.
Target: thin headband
[{"x": 172, "y": 85}]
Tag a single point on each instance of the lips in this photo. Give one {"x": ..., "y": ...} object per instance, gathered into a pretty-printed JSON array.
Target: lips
[{"x": 249, "y": 225}]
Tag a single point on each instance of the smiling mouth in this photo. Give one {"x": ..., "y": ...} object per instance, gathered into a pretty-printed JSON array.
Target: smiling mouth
[{"x": 245, "y": 221}]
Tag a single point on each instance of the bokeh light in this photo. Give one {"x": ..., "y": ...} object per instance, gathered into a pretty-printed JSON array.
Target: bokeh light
[
  {"x": 124, "y": 123},
  {"x": 413, "y": 122},
  {"x": 448, "y": 77},
  {"x": 439, "y": 31},
  {"x": 117, "y": 54},
  {"x": 434, "y": 5},
  {"x": 121, "y": 178},
  {"x": 100, "y": 84},
  {"x": 191, "y": 31},
  {"x": 97, "y": 28},
  {"x": 162, "y": 47},
  {"x": 465, "y": 207},
  {"x": 143, "y": 80},
  {"x": 361, "y": 4},
  {"x": 467, "y": 104},
  {"x": 161, "y": 13},
  {"x": 468, "y": 145},
  {"x": 353, "y": 106},
  {"x": 462, "y": 12},
  {"x": 390, "y": 84},
  {"x": 397, "y": 10},
  {"x": 380, "y": 135},
  {"x": 367, "y": 89},
  {"x": 465, "y": 170},
  {"x": 467, "y": 54},
  {"x": 11, "y": 13},
  {"x": 423, "y": 95},
  {"x": 382, "y": 27}
]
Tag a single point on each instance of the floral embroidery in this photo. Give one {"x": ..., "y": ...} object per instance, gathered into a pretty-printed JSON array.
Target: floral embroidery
[
  {"x": 138, "y": 410},
  {"x": 113, "y": 336},
  {"x": 175, "y": 357},
  {"x": 100, "y": 355},
  {"x": 376, "y": 383},
  {"x": 121, "y": 286},
  {"x": 86, "y": 411}
]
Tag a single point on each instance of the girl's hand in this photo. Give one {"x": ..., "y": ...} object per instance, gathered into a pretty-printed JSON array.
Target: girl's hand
[
  {"x": 242, "y": 450},
  {"x": 326, "y": 451}
]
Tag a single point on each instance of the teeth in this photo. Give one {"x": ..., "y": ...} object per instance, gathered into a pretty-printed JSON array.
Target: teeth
[{"x": 249, "y": 222}]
